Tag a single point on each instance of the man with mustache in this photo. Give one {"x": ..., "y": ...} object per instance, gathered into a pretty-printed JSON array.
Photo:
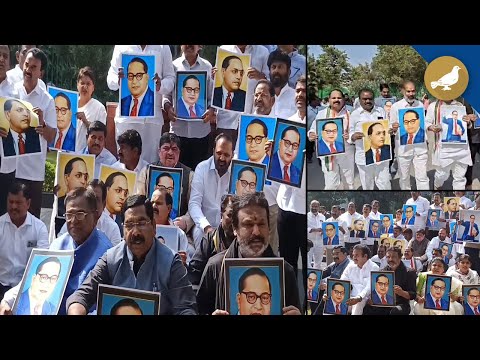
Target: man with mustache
[
  {"x": 251, "y": 227},
  {"x": 337, "y": 170},
  {"x": 279, "y": 64},
  {"x": 154, "y": 267},
  {"x": 20, "y": 232},
  {"x": 16, "y": 74},
  {"x": 96, "y": 135},
  {"x": 130, "y": 151},
  {"x": 21, "y": 138}
]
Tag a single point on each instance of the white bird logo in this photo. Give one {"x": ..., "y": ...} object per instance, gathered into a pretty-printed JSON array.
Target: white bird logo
[{"x": 447, "y": 80}]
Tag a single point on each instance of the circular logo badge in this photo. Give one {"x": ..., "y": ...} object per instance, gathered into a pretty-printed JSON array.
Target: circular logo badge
[{"x": 446, "y": 78}]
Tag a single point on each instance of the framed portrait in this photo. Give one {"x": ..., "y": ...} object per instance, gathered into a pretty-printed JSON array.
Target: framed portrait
[
  {"x": 476, "y": 125},
  {"x": 454, "y": 129},
  {"x": 255, "y": 286},
  {"x": 412, "y": 126},
  {"x": 43, "y": 283},
  {"x": 381, "y": 285},
  {"x": 330, "y": 233},
  {"x": 288, "y": 150},
  {"x": 246, "y": 177},
  {"x": 451, "y": 207},
  {"x": 72, "y": 171},
  {"x": 170, "y": 179},
  {"x": 358, "y": 229},
  {"x": 338, "y": 292},
  {"x": 374, "y": 229},
  {"x": 191, "y": 95},
  {"x": 168, "y": 235},
  {"x": 399, "y": 243},
  {"x": 446, "y": 249},
  {"x": 386, "y": 241},
  {"x": 115, "y": 300},
  {"x": 254, "y": 131},
  {"x": 66, "y": 105},
  {"x": 468, "y": 226},
  {"x": 314, "y": 276},
  {"x": 17, "y": 118},
  {"x": 387, "y": 103},
  {"x": 120, "y": 184},
  {"x": 330, "y": 137},
  {"x": 376, "y": 142},
  {"x": 386, "y": 227},
  {"x": 433, "y": 216},
  {"x": 437, "y": 288},
  {"x": 230, "y": 86},
  {"x": 452, "y": 227},
  {"x": 408, "y": 215},
  {"x": 137, "y": 88},
  {"x": 471, "y": 295}
]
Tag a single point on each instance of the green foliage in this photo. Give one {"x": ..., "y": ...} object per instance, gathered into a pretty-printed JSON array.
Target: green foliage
[{"x": 49, "y": 177}]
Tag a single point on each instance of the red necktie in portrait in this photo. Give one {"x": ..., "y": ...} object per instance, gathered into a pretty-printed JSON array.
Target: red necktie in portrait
[
  {"x": 456, "y": 127},
  {"x": 377, "y": 156},
  {"x": 309, "y": 294},
  {"x": 338, "y": 311},
  {"x": 329, "y": 241},
  {"x": 134, "y": 108},
  {"x": 471, "y": 229},
  {"x": 476, "y": 311},
  {"x": 384, "y": 301},
  {"x": 58, "y": 144},
  {"x": 21, "y": 144},
  {"x": 286, "y": 177},
  {"x": 410, "y": 139},
  {"x": 192, "y": 113},
  {"x": 228, "y": 103},
  {"x": 332, "y": 149},
  {"x": 438, "y": 306}
]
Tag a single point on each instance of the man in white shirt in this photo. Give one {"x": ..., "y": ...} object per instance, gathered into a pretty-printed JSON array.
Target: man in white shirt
[
  {"x": 150, "y": 129},
  {"x": 422, "y": 208},
  {"x": 435, "y": 244},
  {"x": 465, "y": 203},
  {"x": 380, "y": 259},
  {"x": 210, "y": 182},
  {"x": 194, "y": 135},
  {"x": 279, "y": 65},
  {"x": 375, "y": 213},
  {"x": 358, "y": 273},
  {"x": 437, "y": 202},
  {"x": 20, "y": 232},
  {"x": 31, "y": 169},
  {"x": 16, "y": 74},
  {"x": 129, "y": 152},
  {"x": 349, "y": 217},
  {"x": 104, "y": 223},
  {"x": 298, "y": 64},
  {"x": 96, "y": 134},
  {"x": 314, "y": 233}
]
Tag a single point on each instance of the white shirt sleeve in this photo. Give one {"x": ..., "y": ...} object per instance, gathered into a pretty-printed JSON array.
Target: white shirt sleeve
[
  {"x": 42, "y": 242},
  {"x": 196, "y": 196},
  {"x": 167, "y": 74},
  {"x": 11, "y": 295},
  {"x": 115, "y": 63}
]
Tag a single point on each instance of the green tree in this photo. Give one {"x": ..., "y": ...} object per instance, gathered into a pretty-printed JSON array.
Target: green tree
[{"x": 362, "y": 76}]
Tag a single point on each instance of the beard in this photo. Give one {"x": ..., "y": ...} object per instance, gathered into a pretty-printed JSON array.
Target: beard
[{"x": 249, "y": 251}]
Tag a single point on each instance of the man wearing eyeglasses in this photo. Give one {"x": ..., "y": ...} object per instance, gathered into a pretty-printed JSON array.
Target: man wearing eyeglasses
[
  {"x": 256, "y": 137},
  {"x": 329, "y": 144},
  {"x": 33, "y": 301},
  {"x": 246, "y": 181},
  {"x": 188, "y": 106},
  {"x": 254, "y": 295},
  {"x": 150, "y": 266},
  {"x": 165, "y": 181},
  {"x": 472, "y": 302},
  {"x": 282, "y": 166},
  {"x": 335, "y": 304},
  {"x": 65, "y": 138},
  {"x": 141, "y": 99},
  {"x": 435, "y": 300}
]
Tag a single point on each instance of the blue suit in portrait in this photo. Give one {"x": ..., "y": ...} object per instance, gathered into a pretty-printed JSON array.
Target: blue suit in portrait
[
  {"x": 314, "y": 295},
  {"x": 411, "y": 221},
  {"x": 469, "y": 310},
  {"x": 371, "y": 235},
  {"x": 430, "y": 303},
  {"x": 238, "y": 101},
  {"x": 450, "y": 135},
  {"x": 384, "y": 154},
  {"x": 183, "y": 112},
  {"x": 23, "y": 307},
  {"x": 377, "y": 301},
  {"x": 435, "y": 224},
  {"x": 419, "y": 138},
  {"x": 466, "y": 234},
  {"x": 146, "y": 108},
  {"x": 330, "y": 307},
  {"x": 388, "y": 231},
  {"x": 277, "y": 173},
  {"x": 69, "y": 142},
  {"x": 325, "y": 150},
  {"x": 32, "y": 143},
  {"x": 334, "y": 240}
]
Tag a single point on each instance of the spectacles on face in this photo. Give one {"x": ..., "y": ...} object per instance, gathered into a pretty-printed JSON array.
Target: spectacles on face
[
  {"x": 288, "y": 144},
  {"x": 44, "y": 277},
  {"x": 312, "y": 280},
  {"x": 258, "y": 139},
  {"x": 382, "y": 284},
  {"x": 339, "y": 293},
  {"x": 252, "y": 297},
  {"x": 140, "y": 224},
  {"x": 245, "y": 183},
  {"x": 62, "y": 110},
  {"x": 409, "y": 122},
  {"x": 138, "y": 76},
  {"x": 78, "y": 215},
  {"x": 441, "y": 288},
  {"x": 161, "y": 187},
  {"x": 194, "y": 90},
  {"x": 119, "y": 191},
  {"x": 474, "y": 297},
  {"x": 331, "y": 131}
]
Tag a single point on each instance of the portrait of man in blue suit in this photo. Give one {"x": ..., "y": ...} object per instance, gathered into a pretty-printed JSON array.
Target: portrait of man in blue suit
[
  {"x": 312, "y": 287},
  {"x": 335, "y": 304},
  {"x": 412, "y": 131},
  {"x": 472, "y": 300},
  {"x": 282, "y": 165},
  {"x": 379, "y": 151},
  {"x": 383, "y": 285},
  {"x": 432, "y": 219},
  {"x": 256, "y": 137},
  {"x": 387, "y": 227},
  {"x": 374, "y": 229},
  {"x": 434, "y": 299},
  {"x": 455, "y": 128},
  {"x": 34, "y": 300},
  {"x": 471, "y": 229},
  {"x": 408, "y": 217},
  {"x": 188, "y": 106},
  {"x": 21, "y": 138},
  {"x": 141, "y": 100},
  {"x": 65, "y": 138},
  {"x": 230, "y": 96},
  {"x": 328, "y": 143},
  {"x": 331, "y": 235}
]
